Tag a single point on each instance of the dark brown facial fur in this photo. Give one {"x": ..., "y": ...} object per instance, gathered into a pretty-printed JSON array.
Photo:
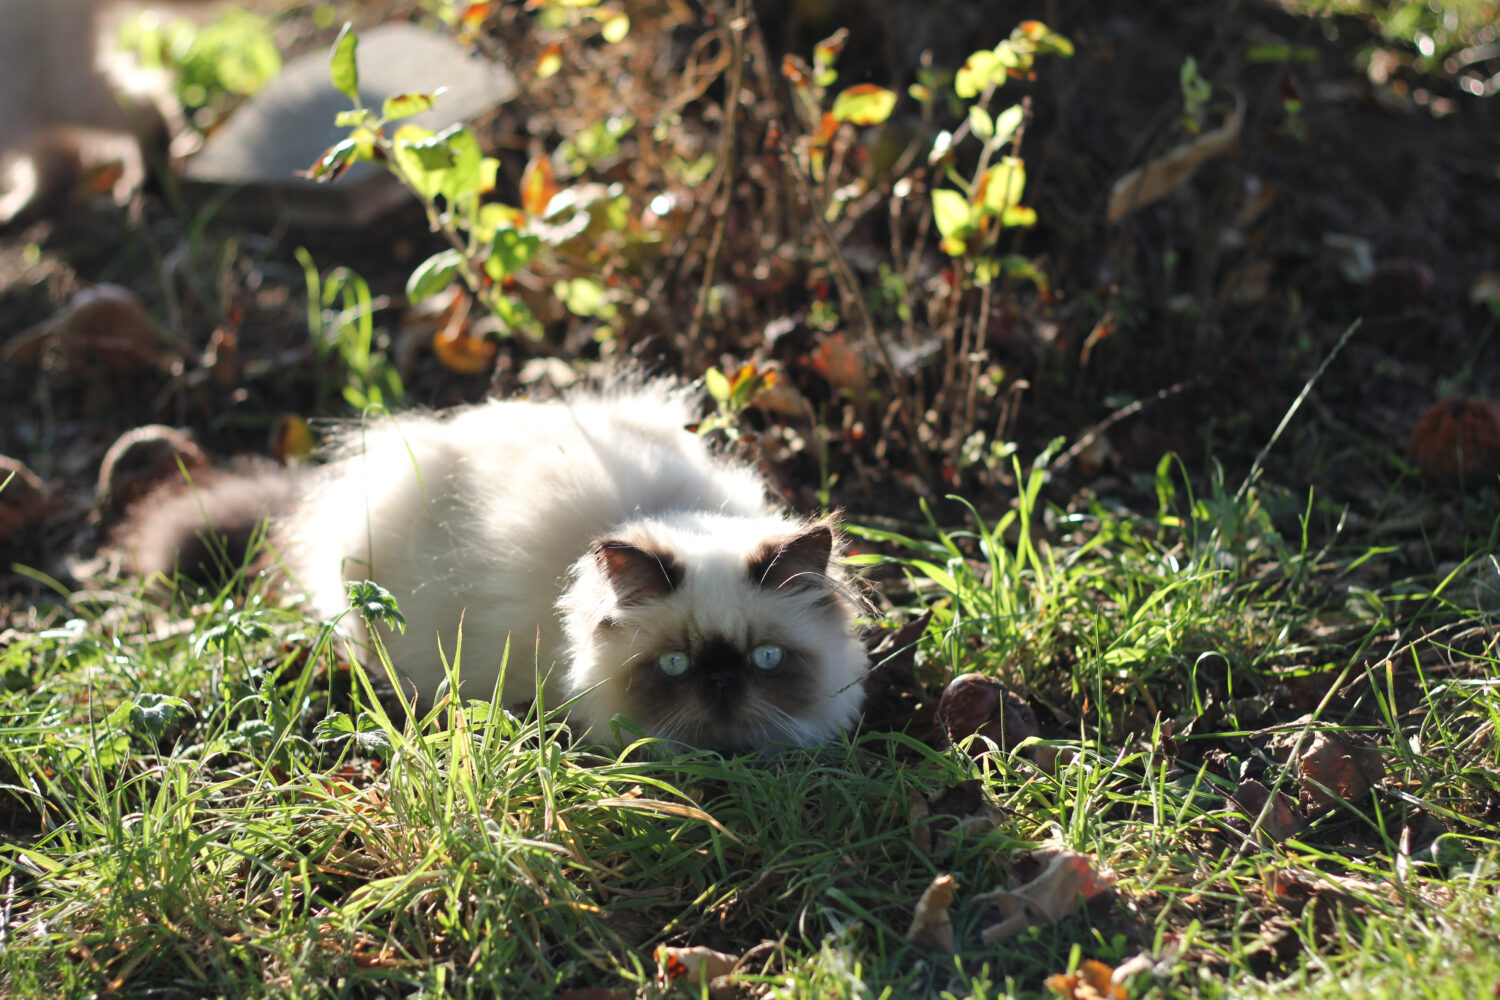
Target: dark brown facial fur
[
  {"x": 637, "y": 575},
  {"x": 718, "y": 685},
  {"x": 805, "y": 555}
]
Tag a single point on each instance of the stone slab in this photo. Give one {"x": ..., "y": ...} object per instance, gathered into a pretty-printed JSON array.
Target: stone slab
[{"x": 247, "y": 170}]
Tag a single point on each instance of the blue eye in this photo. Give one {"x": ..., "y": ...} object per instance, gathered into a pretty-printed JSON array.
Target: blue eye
[
  {"x": 766, "y": 657},
  {"x": 673, "y": 664}
]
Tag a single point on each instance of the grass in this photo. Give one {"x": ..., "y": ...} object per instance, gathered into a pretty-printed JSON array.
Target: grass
[{"x": 178, "y": 822}]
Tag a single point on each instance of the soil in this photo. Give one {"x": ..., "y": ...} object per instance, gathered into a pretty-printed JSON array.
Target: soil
[{"x": 1210, "y": 309}]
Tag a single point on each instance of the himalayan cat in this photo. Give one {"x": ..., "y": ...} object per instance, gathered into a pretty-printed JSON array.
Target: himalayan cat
[
  {"x": 632, "y": 568},
  {"x": 61, "y": 111}
]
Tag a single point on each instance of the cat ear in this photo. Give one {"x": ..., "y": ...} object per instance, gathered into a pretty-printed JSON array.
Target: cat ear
[
  {"x": 804, "y": 555},
  {"x": 635, "y": 575}
]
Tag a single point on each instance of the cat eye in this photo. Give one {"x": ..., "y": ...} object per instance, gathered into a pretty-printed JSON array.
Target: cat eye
[
  {"x": 766, "y": 657},
  {"x": 673, "y": 664}
]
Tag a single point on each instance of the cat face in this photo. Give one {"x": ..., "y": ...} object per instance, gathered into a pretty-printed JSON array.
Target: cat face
[{"x": 707, "y": 632}]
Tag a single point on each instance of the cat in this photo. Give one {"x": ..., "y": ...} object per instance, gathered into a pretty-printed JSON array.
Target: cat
[
  {"x": 632, "y": 569},
  {"x": 62, "y": 112}
]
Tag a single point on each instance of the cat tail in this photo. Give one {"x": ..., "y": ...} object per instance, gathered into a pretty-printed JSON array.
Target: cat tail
[{"x": 208, "y": 527}]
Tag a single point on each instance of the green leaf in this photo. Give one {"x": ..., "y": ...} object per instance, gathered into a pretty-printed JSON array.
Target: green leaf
[
  {"x": 511, "y": 251},
  {"x": 368, "y": 735},
  {"x": 353, "y": 118},
  {"x": 615, "y": 28},
  {"x": 951, "y": 212},
  {"x": 464, "y": 178},
  {"x": 341, "y": 67},
  {"x": 1018, "y": 215},
  {"x": 1007, "y": 122},
  {"x": 584, "y": 297},
  {"x": 494, "y": 216},
  {"x": 448, "y": 164},
  {"x": 717, "y": 384},
  {"x": 981, "y": 124},
  {"x": 334, "y": 161},
  {"x": 375, "y": 604},
  {"x": 978, "y": 72},
  {"x": 406, "y": 105},
  {"x": 864, "y": 104},
  {"x": 433, "y": 275},
  {"x": 157, "y": 711},
  {"x": 1003, "y": 184}
]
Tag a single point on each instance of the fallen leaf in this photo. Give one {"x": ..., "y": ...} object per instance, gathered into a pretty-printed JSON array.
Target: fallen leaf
[
  {"x": 1155, "y": 180},
  {"x": 538, "y": 186},
  {"x": 1335, "y": 769},
  {"x": 931, "y": 927},
  {"x": 23, "y": 500},
  {"x": 694, "y": 968},
  {"x": 840, "y": 363},
  {"x": 139, "y": 461},
  {"x": 105, "y": 327},
  {"x": 1280, "y": 821},
  {"x": 1092, "y": 981},
  {"x": 1457, "y": 438},
  {"x": 975, "y": 704},
  {"x": 1067, "y": 878}
]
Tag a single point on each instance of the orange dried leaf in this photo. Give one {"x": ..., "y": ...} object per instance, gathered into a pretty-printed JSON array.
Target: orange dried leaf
[
  {"x": 840, "y": 363},
  {"x": 1092, "y": 981},
  {"x": 461, "y": 352},
  {"x": 538, "y": 186},
  {"x": 475, "y": 13},
  {"x": 549, "y": 61},
  {"x": 795, "y": 70}
]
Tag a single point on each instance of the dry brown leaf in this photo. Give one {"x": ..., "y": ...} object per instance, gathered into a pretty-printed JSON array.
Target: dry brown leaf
[
  {"x": 140, "y": 461},
  {"x": 841, "y": 363},
  {"x": 1067, "y": 878},
  {"x": 1092, "y": 981},
  {"x": 1335, "y": 769},
  {"x": 1280, "y": 821},
  {"x": 1457, "y": 438},
  {"x": 101, "y": 328},
  {"x": 931, "y": 927},
  {"x": 693, "y": 968},
  {"x": 23, "y": 499},
  {"x": 1160, "y": 177},
  {"x": 975, "y": 704}
]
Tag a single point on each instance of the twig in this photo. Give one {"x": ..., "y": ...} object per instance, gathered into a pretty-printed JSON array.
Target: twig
[
  {"x": 1128, "y": 410},
  {"x": 1291, "y": 411},
  {"x": 725, "y": 180}
]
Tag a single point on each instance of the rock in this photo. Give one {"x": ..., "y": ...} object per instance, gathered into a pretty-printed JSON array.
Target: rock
[{"x": 248, "y": 169}]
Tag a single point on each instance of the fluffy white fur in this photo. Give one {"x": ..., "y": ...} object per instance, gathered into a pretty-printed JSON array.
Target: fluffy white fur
[
  {"x": 61, "y": 109},
  {"x": 490, "y": 517}
]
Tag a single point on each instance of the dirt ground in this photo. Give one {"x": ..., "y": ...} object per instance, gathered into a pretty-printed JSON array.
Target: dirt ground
[{"x": 1223, "y": 298}]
